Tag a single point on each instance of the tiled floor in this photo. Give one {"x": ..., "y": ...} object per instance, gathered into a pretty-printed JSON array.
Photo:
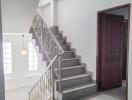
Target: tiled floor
[{"x": 115, "y": 94}]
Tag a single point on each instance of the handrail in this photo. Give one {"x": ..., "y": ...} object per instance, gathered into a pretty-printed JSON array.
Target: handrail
[
  {"x": 58, "y": 44},
  {"x": 53, "y": 50},
  {"x": 44, "y": 73},
  {"x": 55, "y": 39}
]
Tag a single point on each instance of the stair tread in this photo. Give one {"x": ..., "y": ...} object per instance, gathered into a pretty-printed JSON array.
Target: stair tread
[
  {"x": 72, "y": 67},
  {"x": 78, "y": 87},
  {"x": 68, "y": 51},
  {"x": 75, "y": 76},
  {"x": 70, "y": 58}
]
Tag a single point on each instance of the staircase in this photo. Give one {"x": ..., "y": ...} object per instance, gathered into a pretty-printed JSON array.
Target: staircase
[{"x": 65, "y": 77}]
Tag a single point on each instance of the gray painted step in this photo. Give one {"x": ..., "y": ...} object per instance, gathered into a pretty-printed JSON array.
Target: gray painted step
[
  {"x": 60, "y": 32},
  {"x": 55, "y": 31},
  {"x": 74, "y": 70},
  {"x": 54, "y": 27},
  {"x": 78, "y": 91},
  {"x": 70, "y": 62},
  {"x": 68, "y": 54},
  {"x": 74, "y": 80},
  {"x": 66, "y": 47},
  {"x": 58, "y": 36},
  {"x": 61, "y": 41}
]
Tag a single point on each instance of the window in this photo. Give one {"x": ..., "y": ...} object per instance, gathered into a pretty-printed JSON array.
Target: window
[
  {"x": 7, "y": 58},
  {"x": 32, "y": 58}
]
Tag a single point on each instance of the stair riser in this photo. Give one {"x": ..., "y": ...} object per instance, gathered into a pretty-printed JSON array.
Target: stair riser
[
  {"x": 73, "y": 95},
  {"x": 66, "y": 47},
  {"x": 68, "y": 55},
  {"x": 70, "y": 62},
  {"x": 74, "y": 81},
  {"x": 54, "y": 28},
  {"x": 73, "y": 71},
  {"x": 55, "y": 31},
  {"x": 58, "y": 36},
  {"x": 61, "y": 41}
]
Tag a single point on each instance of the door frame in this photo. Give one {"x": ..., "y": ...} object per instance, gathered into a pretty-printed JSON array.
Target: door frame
[{"x": 99, "y": 35}]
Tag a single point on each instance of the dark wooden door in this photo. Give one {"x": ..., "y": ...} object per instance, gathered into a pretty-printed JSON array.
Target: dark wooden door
[
  {"x": 111, "y": 51},
  {"x": 124, "y": 65}
]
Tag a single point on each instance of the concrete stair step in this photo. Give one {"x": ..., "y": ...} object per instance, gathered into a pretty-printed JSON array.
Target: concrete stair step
[
  {"x": 73, "y": 70},
  {"x": 68, "y": 54},
  {"x": 75, "y": 92},
  {"x": 55, "y": 30},
  {"x": 70, "y": 62},
  {"x": 66, "y": 47},
  {"x": 58, "y": 36},
  {"x": 54, "y": 27},
  {"x": 74, "y": 80},
  {"x": 61, "y": 41}
]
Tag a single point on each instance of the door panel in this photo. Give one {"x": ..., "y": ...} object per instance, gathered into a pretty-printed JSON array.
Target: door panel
[
  {"x": 111, "y": 51},
  {"x": 124, "y": 66}
]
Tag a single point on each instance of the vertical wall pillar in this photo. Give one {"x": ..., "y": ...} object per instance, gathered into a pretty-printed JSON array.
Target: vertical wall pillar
[
  {"x": 53, "y": 4},
  {"x": 2, "y": 89}
]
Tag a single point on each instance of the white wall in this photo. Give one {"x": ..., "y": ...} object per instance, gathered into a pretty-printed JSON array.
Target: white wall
[
  {"x": 20, "y": 76},
  {"x": 78, "y": 20},
  {"x": 19, "y": 62},
  {"x": 45, "y": 12},
  {"x": 17, "y": 15},
  {"x": 18, "y": 84},
  {"x": 2, "y": 91},
  {"x": 43, "y": 2},
  {"x": 48, "y": 11}
]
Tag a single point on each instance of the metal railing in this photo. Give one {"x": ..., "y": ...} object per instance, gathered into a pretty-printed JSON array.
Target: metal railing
[{"x": 49, "y": 45}]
